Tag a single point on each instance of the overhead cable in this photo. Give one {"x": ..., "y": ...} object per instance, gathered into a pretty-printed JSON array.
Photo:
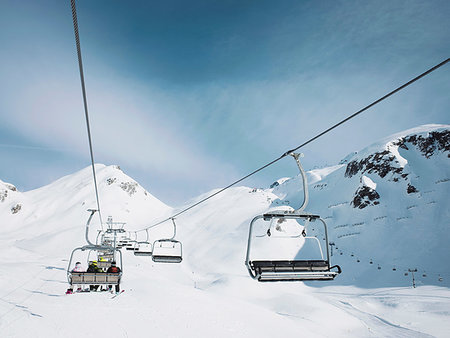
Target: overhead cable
[
  {"x": 83, "y": 89},
  {"x": 302, "y": 145}
]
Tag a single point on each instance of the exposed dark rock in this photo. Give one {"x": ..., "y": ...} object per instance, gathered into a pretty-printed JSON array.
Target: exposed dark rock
[
  {"x": 436, "y": 141},
  {"x": 129, "y": 187},
  {"x": 383, "y": 163},
  {"x": 111, "y": 180},
  {"x": 274, "y": 184},
  {"x": 15, "y": 209},
  {"x": 411, "y": 189},
  {"x": 364, "y": 197},
  {"x": 3, "y": 195}
]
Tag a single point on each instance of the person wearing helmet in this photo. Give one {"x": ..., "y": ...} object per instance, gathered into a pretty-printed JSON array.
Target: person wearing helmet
[
  {"x": 114, "y": 269},
  {"x": 93, "y": 268}
]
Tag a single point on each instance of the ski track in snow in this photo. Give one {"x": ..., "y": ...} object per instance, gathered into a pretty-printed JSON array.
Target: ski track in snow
[{"x": 373, "y": 324}]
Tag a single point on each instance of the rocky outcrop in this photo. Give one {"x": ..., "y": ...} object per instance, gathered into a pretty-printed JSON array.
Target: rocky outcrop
[
  {"x": 436, "y": 141},
  {"x": 380, "y": 163},
  {"x": 4, "y": 192},
  {"x": 384, "y": 162},
  {"x": 129, "y": 187},
  {"x": 364, "y": 197},
  {"x": 15, "y": 209},
  {"x": 3, "y": 195}
]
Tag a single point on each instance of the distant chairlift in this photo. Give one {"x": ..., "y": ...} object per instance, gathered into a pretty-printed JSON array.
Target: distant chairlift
[
  {"x": 131, "y": 245},
  {"x": 113, "y": 235},
  {"x": 296, "y": 269},
  {"x": 167, "y": 250},
  {"x": 143, "y": 248}
]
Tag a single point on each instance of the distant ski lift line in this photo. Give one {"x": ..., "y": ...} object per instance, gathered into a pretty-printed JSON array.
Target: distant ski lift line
[{"x": 303, "y": 144}]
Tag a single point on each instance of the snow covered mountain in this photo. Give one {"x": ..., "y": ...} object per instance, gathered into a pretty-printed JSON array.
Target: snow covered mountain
[
  {"x": 61, "y": 206},
  {"x": 386, "y": 209}
]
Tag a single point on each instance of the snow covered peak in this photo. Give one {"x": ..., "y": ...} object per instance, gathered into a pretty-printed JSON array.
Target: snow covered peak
[
  {"x": 421, "y": 136},
  {"x": 5, "y": 190},
  {"x": 386, "y": 204},
  {"x": 63, "y": 204}
]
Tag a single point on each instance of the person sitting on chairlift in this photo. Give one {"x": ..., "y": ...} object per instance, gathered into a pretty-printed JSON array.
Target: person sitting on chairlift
[
  {"x": 76, "y": 269},
  {"x": 114, "y": 269},
  {"x": 93, "y": 268}
]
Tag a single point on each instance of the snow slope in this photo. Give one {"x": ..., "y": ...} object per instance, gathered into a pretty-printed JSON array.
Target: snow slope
[
  {"x": 210, "y": 292},
  {"x": 387, "y": 204}
]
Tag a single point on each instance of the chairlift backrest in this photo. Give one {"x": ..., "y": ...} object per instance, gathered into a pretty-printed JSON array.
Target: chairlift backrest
[
  {"x": 143, "y": 249},
  {"x": 168, "y": 250},
  {"x": 88, "y": 276},
  {"x": 291, "y": 269}
]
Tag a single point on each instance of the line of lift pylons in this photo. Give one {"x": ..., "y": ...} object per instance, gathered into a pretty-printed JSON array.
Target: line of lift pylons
[{"x": 279, "y": 226}]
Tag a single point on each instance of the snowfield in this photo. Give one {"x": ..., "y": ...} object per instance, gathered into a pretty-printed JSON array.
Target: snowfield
[{"x": 386, "y": 207}]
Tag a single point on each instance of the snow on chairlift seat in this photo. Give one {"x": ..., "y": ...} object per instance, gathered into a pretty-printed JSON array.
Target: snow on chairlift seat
[
  {"x": 290, "y": 270},
  {"x": 167, "y": 251}
]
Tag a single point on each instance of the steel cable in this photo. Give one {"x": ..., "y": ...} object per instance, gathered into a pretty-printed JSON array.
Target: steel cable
[
  {"x": 303, "y": 144},
  {"x": 83, "y": 89}
]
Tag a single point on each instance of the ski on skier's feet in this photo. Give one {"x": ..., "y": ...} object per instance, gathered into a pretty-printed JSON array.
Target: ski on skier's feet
[{"x": 118, "y": 294}]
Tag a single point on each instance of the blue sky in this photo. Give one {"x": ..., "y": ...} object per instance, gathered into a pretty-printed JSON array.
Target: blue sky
[{"x": 187, "y": 96}]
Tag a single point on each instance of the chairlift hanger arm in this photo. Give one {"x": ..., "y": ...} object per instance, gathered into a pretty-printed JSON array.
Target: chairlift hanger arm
[
  {"x": 93, "y": 211},
  {"x": 297, "y": 156}
]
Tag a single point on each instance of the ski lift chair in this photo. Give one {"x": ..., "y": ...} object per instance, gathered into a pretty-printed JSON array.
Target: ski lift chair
[
  {"x": 93, "y": 278},
  {"x": 104, "y": 261},
  {"x": 131, "y": 243},
  {"x": 293, "y": 269},
  {"x": 130, "y": 246},
  {"x": 168, "y": 250},
  {"x": 143, "y": 249},
  {"x": 90, "y": 278}
]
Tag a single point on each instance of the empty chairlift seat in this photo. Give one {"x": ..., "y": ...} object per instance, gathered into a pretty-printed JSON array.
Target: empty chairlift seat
[
  {"x": 290, "y": 269},
  {"x": 295, "y": 270},
  {"x": 167, "y": 251},
  {"x": 279, "y": 270},
  {"x": 143, "y": 249}
]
